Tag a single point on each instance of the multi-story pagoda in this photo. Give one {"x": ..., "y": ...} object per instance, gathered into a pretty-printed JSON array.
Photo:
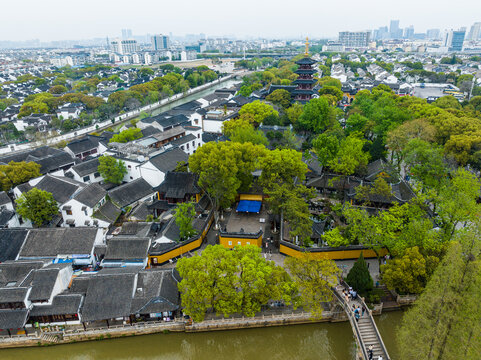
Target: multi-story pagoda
[{"x": 305, "y": 81}]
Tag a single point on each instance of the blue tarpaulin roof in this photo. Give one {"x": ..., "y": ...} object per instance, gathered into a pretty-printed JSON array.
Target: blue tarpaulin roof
[{"x": 249, "y": 206}]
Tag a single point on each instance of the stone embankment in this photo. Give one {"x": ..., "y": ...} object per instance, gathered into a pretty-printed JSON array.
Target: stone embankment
[{"x": 116, "y": 331}]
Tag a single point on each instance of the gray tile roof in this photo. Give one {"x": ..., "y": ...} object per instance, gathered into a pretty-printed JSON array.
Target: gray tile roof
[
  {"x": 108, "y": 296},
  {"x": 62, "y": 189},
  {"x": 4, "y": 198},
  {"x": 13, "y": 294},
  {"x": 90, "y": 195},
  {"x": 108, "y": 212},
  {"x": 11, "y": 240},
  {"x": 59, "y": 241},
  {"x": 42, "y": 282},
  {"x": 17, "y": 271},
  {"x": 178, "y": 185},
  {"x": 63, "y": 304},
  {"x": 87, "y": 167},
  {"x": 156, "y": 292},
  {"x": 168, "y": 160},
  {"x": 127, "y": 248},
  {"x": 5, "y": 216},
  {"x": 13, "y": 319},
  {"x": 131, "y": 192}
]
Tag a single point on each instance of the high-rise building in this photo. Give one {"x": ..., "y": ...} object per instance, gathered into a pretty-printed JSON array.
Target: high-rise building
[
  {"x": 433, "y": 34},
  {"x": 124, "y": 46},
  {"x": 381, "y": 33},
  {"x": 409, "y": 32},
  {"x": 160, "y": 42},
  {"x": 126, "y": 33},
  {"x": 454, "y": 39},
  {"x": 354, "y": 39},
  {"x": 394, "y": 30},
  {"x": 475, "y": 31}
]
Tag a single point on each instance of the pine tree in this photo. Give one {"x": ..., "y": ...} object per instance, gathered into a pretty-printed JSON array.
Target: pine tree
[{"x": 359, "y": 277}]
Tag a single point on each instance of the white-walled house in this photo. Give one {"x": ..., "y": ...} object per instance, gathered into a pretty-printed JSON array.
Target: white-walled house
[
  {"x": 75, "y": 244},
  {"x": 79, "y": 211},
  {"x": 155, "y": 169},
  {"x": 86, "y": 172}
]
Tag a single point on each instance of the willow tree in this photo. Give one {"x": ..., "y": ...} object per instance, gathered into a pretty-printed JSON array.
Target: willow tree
[
  {"x": 445, "y": 322},
  {"x": 314, "y": 278}
]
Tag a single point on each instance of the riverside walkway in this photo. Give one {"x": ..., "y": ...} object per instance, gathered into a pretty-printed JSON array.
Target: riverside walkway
[{"x": 365, "y": 330}]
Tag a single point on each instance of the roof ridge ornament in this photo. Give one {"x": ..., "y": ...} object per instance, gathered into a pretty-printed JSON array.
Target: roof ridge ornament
[{"x": 307, "y": 47}]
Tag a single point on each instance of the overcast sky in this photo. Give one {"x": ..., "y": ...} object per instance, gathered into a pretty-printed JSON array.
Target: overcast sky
[{"x": 66, "y": 19}]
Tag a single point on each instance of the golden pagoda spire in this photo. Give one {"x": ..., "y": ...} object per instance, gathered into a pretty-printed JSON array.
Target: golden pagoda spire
[{"x": 307, "y": 47}]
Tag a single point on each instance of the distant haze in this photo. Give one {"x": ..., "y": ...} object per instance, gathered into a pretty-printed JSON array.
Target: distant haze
[{"x": 63, "y": 19}]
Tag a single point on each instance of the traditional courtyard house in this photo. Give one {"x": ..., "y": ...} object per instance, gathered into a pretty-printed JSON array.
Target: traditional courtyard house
[
  {"x": 70, "y": 111},
  {"x": 64, "y": 310},
  {"x": 47, "y": 282},
  {"x": 80, "y": 209},
  {"x": 215, "y": 117},
  {"x": 155, "y": 169},
  {"x": 178, "y": 187},
  {"x": 109, "y": 297},
  {"x": 132, "y": 193},
  {"x": 51, "y": 160},
  {"x": 167, "y": 243},
  {"x": 86, "y": 172},
  {"x": 157, "y": 295},
  {"x": 75, "y": 245},
  {"x": 126, "y": 251},
  {"x": 87, "y": 146}
]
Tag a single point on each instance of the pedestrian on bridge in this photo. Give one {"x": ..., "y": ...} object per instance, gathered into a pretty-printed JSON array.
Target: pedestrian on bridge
[{"x": 370, "y": 352}]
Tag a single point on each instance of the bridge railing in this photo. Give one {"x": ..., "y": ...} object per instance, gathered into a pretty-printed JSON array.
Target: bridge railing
[
  {"x": 371, "y": 319},
  {"x": 353, "y": 322}
]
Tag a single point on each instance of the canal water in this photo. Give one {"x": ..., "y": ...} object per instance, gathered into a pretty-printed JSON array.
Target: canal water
[
  {"x": 198, "y": 95},
  {"x": 324, "y": 341}
]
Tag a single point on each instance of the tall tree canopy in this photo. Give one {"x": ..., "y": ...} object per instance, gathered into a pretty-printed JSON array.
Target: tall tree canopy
[
  {"x": 37, "y": 205},
  {"x": 111, "y": 169},
  {"x": 16, "y": 173}
]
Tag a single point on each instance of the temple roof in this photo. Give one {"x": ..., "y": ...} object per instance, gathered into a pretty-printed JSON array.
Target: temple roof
[
  {"x": 305, "y": 61},
  {"x": 305, "y": 71}
]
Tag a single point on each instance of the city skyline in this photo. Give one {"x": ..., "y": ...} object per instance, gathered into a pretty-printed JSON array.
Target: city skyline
[{"x": 252, "y": 19}]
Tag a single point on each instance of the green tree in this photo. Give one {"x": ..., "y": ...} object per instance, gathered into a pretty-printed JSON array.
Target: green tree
[
  {"x": 350, "y": 157},
  {"x": 243, "y": 135},
  {"x": 111, "y": 169},
  {"x": 127, "y": 135},
  {"x": 16, "y": 173},
  {"x": 409, "y": 273},
  {"x": 258, "y": 110},
  {"x": 329, "y": 81},
  {"x": 37, "y": 205},
  {"x": 326, "y": 147},
  {"x": 224, "y": 168},
  {"x": 227, "y": 282},
  {"x": 359, "y": 277},
  {"x": 280, "y": 97},
  {"x": 57, "y": 89},
  {"x": 314, "y": 278},
  {"x": 294, "y": 112},
  {"x": 458, "y": 201},
  {"x": 184, "y": 216},
  {"x": 316, "y": 116},
  {"x": 447, "y": 102},
  {"x": 444, "y": 323},
  {"x": 331, "y": 90}
]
